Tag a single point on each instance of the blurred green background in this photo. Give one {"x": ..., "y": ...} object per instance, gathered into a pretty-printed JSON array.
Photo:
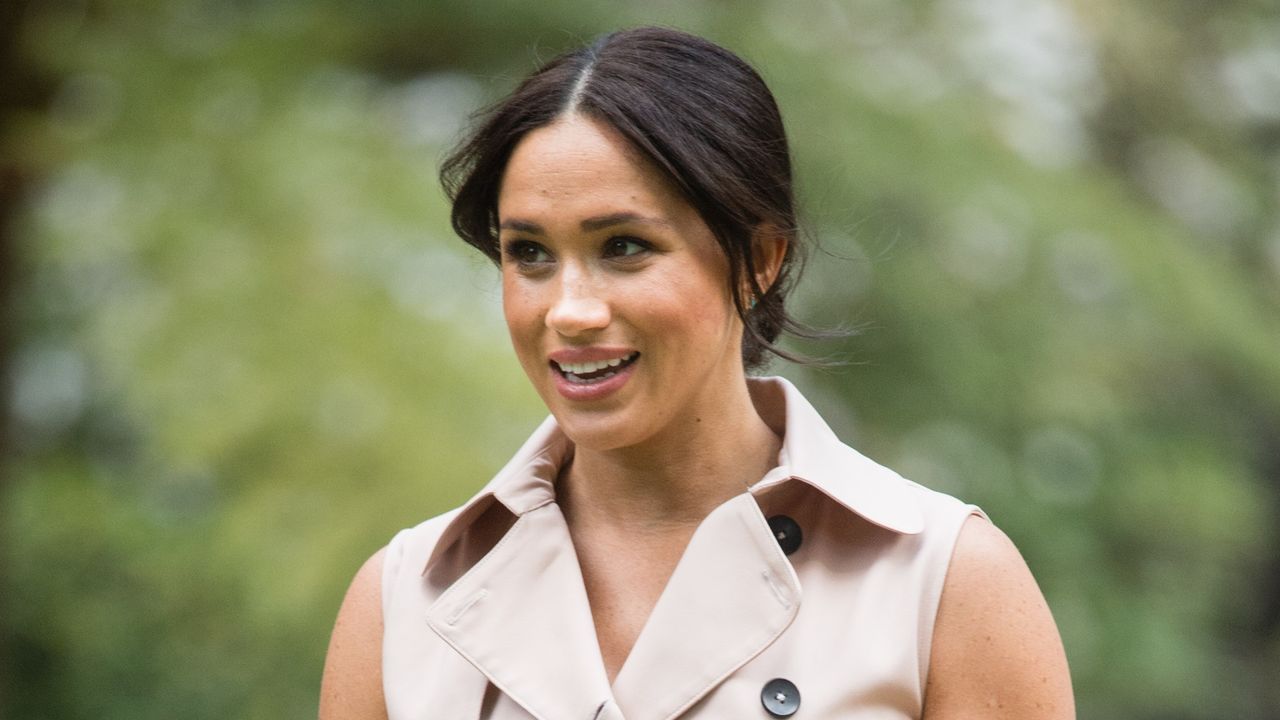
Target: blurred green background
[{"x": 241, "y": 347}]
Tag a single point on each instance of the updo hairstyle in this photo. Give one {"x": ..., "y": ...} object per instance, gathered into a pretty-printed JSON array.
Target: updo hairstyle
[{"x": 699, "y": 113}]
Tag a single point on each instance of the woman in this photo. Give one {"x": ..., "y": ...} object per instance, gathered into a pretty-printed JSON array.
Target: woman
[{"x": 676, "y": 540}]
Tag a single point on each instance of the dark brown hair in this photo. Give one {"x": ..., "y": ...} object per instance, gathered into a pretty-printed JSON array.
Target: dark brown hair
[{"x": 699, "y": 113}]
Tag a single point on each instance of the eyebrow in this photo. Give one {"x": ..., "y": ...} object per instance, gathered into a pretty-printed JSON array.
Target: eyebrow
[{"x": 590, "y": 224}]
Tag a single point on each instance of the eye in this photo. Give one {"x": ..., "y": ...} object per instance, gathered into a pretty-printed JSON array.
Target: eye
[
  {"x": 624, "y": 247},
  {"x": 526, "y": 252}
]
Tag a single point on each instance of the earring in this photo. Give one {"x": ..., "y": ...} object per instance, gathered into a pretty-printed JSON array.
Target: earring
[{"x": 752, "y": 305}]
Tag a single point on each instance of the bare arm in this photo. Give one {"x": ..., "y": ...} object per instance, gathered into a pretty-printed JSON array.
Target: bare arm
[
  {"x": 352, "y": 685},
  {"x": 996, "y": 651}
]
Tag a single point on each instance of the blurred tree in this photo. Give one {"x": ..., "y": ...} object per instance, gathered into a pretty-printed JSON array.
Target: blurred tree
[
  {"x": 19, "y": 91},
  {"x": 246, "y": 349}
]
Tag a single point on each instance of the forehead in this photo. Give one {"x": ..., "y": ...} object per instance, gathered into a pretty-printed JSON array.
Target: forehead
[{"x": 577, "y": 165}]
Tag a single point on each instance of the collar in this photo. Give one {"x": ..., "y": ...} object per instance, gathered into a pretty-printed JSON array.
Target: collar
[{"x": 811, "y": 453}]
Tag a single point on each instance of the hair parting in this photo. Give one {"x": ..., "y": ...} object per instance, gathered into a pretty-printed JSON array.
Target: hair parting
[{"x": 702, "y": 116}]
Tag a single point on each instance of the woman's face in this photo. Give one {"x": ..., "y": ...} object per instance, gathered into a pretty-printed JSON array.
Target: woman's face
[{"x": 614, "y": 289}]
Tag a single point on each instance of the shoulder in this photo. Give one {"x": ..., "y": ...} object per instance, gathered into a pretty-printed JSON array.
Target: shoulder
[
  {"x": 352, "y": 683},
  {"x": 416, "y": 544},
  {"x": 996, "y": 652}
]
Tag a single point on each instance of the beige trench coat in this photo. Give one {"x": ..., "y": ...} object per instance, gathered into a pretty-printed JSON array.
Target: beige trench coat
[{"x": 486, "y": 615}]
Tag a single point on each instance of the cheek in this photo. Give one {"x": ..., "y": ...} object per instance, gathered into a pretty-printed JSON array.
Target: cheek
[
  {"x": 695, "y": 305},
  {"x": 520, "y": 309},
  {"x": 509, "y": 303}
]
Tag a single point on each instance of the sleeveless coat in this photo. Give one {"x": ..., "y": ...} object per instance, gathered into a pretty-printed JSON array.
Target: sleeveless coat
[{"x": 811, "y": 595}]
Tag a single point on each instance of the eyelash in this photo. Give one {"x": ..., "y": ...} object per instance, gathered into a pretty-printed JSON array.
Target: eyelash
[
  {"x": 517, "y": 250},
  {"x": 624, "y": 240}
]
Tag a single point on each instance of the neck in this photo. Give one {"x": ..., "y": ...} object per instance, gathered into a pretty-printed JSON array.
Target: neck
[{"x": 672, "y": 481}]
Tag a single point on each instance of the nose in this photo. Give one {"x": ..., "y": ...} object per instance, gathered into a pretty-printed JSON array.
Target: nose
[{"x": 579, "y": 307}]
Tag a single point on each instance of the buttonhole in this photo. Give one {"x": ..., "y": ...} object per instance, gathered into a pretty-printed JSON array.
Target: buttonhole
[
  {"x": 777, "y": 589},
  {"x": 462, "y": 609}
]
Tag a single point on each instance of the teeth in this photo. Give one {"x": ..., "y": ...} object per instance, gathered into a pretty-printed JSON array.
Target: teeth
[{"x": 590, "y": 367}]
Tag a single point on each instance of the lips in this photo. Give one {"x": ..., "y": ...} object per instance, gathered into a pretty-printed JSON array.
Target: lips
[{"x": 591, "y": 371}]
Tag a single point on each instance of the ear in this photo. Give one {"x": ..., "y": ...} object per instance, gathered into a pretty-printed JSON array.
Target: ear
[{"x": 768, "y": 249}]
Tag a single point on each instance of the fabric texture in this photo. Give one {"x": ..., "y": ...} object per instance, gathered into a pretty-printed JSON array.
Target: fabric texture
[{"x": 486, "y": 615}]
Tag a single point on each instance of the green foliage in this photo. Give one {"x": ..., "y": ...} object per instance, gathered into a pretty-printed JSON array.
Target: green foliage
[{"x": 250, "y": 349}]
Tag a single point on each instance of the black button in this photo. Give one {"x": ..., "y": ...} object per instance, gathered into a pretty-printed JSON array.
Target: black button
[
  {"x": 780, "y": 697},
  {"x": 787, "y": 532}
]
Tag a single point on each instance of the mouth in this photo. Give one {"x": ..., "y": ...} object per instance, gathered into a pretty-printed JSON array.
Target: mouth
[{"x": 587, "y": 373}]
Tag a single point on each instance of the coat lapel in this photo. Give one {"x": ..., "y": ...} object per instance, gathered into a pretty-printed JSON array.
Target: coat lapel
[
  {"x": 521, "y": 616},
  {"x": 732, "y": 594}
]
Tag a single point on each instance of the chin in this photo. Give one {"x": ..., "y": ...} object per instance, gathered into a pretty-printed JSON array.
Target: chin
[
  {"x": 603, "y": 425},
  {"x": 599, "y": 431}
]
